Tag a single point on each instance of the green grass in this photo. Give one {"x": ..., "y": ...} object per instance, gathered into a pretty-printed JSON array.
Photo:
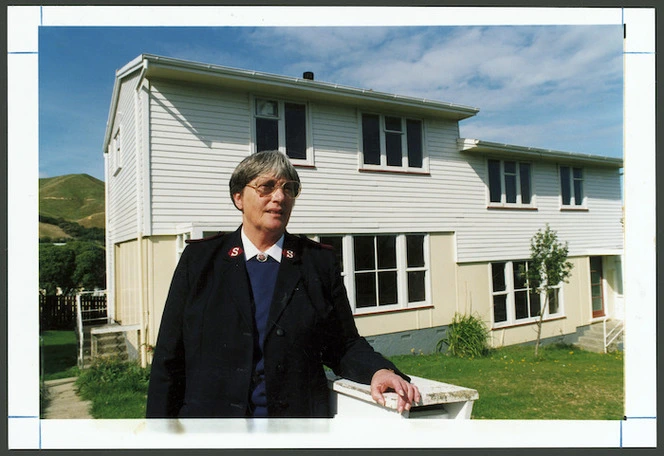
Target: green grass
[
  {"x": 117, "y": 389},
  {"x": 59, "y": 354},
  {"x": 562, "y": 383}
]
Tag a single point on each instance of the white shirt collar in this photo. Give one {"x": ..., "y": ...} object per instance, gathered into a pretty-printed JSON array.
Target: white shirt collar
[{"x": 250, "y": 250}]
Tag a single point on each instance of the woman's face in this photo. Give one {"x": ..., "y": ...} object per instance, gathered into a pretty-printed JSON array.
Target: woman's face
[{"x": 265, "y": 215}]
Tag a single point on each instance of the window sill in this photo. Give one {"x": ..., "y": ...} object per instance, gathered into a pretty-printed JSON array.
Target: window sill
[
  {"x": 573, "y": 209},
  {"x": 515, "y": 207},
  {"x": 396, "y": 170},
  {"x": 527, "y": 323},
  {"x": 386, "y": 311}
]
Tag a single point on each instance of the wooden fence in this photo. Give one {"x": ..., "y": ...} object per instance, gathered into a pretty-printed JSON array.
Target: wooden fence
[{"x": 59, "y": 312}]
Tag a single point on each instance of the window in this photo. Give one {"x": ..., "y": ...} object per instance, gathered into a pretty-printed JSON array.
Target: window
[
  {"x": 281, "y": 126},
  {"x": 571, "y": 186},
  {"x": 383, "y": 272},
  {"x": 515, "y": 299},
  {"x": 115, "y": 154},
  {"x": 392, "y": 142},
  {"x": 509, "y": 183}
]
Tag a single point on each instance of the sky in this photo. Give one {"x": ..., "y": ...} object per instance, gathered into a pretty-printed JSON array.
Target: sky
[{"x": 551, "y": 87}]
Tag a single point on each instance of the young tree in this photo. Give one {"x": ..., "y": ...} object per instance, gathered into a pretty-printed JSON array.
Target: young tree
[{"x": 548, "y": 267}]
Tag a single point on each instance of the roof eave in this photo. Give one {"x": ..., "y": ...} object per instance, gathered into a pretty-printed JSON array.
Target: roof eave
[
  {"x": 276, "y": 85},
  {"x": 509, "y": 150}
]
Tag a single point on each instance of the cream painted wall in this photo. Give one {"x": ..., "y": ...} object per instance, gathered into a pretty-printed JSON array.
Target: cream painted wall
[
  {"x": 474, "y": 296},
  {"x": 161, "y": 261},
  {"x": 126, "y": 283},
  {"x": 443, "y": 296}
]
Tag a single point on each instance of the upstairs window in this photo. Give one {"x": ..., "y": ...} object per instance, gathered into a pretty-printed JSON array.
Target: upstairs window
[
  {"x": 115, "y": 154},
  {"x": 509, "y": 183},
  {"x": 282, "y": 126},
  {"x": 391, "y": 142},
  {"x": 571, "y": 186}
]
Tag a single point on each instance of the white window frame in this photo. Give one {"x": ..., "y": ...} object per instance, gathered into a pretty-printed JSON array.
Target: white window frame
[
  {"x": 383, "y": 166},
  {"x": 280, "y": 117},
  {"x": 573, "y": 197},
  {"x": 509, "y": 291},
  {"x": 503, "y": 194},
  {"x": 115, "y": 153},
  {"x": 402, "y": 270}
]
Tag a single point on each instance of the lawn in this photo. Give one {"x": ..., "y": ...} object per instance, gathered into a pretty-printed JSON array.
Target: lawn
[
  {"x": 58, "y": 354},
  {"x": 562, "y": 383}
]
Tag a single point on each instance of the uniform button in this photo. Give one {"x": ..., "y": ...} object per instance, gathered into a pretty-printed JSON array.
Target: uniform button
[
  {"x": 280, "y": 332},
  {"x": 280, "y": 368}
]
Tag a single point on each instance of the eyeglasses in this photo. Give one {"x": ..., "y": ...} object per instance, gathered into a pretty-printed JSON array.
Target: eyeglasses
[{"x": 291, "y": 189}]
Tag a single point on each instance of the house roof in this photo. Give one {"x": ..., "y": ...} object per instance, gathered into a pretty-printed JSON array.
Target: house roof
[
  {"x": 507, "y": 150},
  {"x": 157, "y": 67}
]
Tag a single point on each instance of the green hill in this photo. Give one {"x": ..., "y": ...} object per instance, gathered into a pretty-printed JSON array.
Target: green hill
[
  {"x": 73, "y": 197},
  {"x": 65, "y": 202}
]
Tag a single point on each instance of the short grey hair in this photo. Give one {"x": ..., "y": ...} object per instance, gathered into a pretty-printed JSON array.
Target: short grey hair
[{"x": 265, "y": 162}]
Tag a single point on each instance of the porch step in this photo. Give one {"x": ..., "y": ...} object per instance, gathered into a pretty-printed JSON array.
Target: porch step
[
  {"x": 103, "y": 345},
  {"x": 593, "y": 337}
]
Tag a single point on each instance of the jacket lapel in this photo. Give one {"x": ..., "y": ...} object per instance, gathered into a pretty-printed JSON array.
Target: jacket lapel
[
  {"x": 231, "y": 275},
  {"x": 288, "y": 277}
]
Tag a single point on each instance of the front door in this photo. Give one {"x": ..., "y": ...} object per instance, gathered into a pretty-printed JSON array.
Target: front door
[{"x": 596, "y": 286}]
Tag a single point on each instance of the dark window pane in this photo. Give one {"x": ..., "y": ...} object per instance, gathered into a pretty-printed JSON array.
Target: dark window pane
[
  {"x": 494, "y": 181},
  {"x": 415, "y": 250},
  {"x": 510, "y": 182},
  {"x": 524, "y": 175},
  {"x": 521, "y": 304},
  {"x": 554, "y": 305},
  {"x": 267, "y": 134},
  {"x": 336, "y": 243},
  {"x": 364, "y": 253},
  {"x": 498, "y": 275},
  {"x": 296, "y": 132},
  {"x": 416, "y": 291},
  {"x": 393, "y": 123},
  {"x": 387, "y": 252},
  {"x": 535, "y": 304},
  {"x": 387, "y": 286},
  {"x": 371, "y": 139},
  {"x": 519, "y": 279},
  {"x": 393, "y": 149},
  {"x": 414, "y": 139},
  {"x": 565, "y": 184},
  {"x": 578, "y": 187},
  {"x": 365, "y": 289},
  {"x": 500, "y": 308}
]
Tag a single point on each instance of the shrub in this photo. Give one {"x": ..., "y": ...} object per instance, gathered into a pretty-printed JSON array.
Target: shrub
[
  {"x": 113, "y": 373},
  {"x": 466, "y": 337}
]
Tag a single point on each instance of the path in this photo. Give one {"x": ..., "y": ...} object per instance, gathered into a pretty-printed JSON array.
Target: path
[{"x": 64, "y": 402}]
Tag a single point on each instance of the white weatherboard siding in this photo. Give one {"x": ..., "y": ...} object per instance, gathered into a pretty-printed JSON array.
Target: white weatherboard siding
[
  {"x": 199, "y": 134},
  {"x": 122, "y": 198}
]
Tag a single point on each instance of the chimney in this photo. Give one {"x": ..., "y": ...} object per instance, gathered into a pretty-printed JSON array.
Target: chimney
[{"x": 308, "y": 75}]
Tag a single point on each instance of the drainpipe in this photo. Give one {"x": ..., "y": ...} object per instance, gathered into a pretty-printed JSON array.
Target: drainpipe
[{"x": 140, "y": 149}]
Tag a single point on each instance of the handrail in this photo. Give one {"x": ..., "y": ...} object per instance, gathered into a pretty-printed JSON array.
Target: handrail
[
  {"x": 79, "y": 322},
  {"x": 613, "y": 334},
  {"x": 79, "y": 327}
]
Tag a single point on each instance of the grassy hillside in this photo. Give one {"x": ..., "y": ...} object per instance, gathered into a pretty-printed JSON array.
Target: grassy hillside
[{"x": 74, "y": 197}]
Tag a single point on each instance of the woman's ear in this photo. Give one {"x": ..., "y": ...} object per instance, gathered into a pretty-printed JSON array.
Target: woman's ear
[{"x": 237, "y": 201}]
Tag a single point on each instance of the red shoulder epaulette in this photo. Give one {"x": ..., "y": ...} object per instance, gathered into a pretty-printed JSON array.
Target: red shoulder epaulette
[{"x": 208, "y": 238}]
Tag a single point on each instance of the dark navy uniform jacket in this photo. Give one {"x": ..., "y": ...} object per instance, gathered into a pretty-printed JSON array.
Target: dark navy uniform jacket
[{"x": 203, "y": 359}]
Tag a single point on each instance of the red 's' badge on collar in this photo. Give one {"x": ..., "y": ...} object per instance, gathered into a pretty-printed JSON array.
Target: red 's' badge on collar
[
  {"x": 235, "y": 251},
  {"x": 289, "y": 254}
]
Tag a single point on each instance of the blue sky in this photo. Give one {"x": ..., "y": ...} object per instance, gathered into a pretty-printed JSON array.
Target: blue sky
[{"x": 551, "y": 87}]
